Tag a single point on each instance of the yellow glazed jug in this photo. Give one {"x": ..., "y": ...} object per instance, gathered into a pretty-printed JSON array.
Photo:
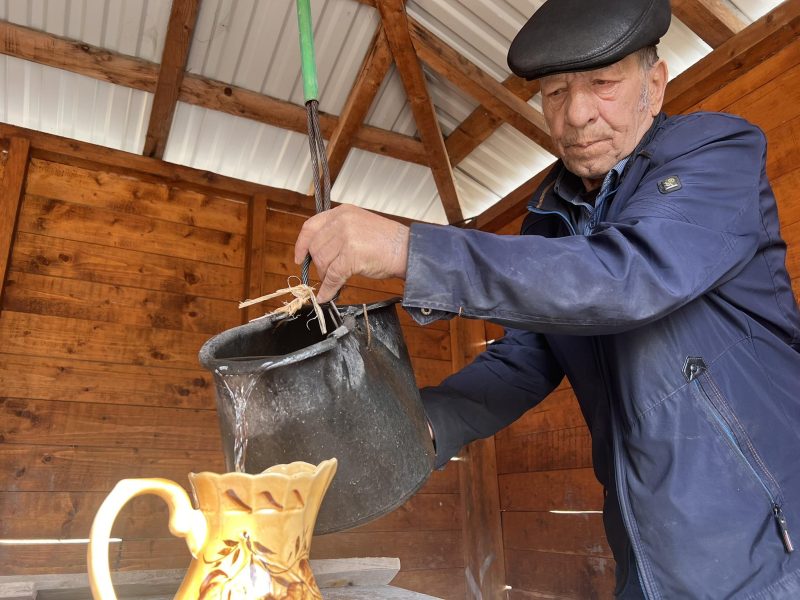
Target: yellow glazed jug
[{"x": 250, "y": 536}]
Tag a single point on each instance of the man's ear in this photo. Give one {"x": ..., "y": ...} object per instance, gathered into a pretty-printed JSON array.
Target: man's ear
[{"x": 658, "y": 77}]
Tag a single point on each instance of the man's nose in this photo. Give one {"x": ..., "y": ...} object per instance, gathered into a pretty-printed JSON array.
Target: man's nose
[{"x": 581, "y": 108}]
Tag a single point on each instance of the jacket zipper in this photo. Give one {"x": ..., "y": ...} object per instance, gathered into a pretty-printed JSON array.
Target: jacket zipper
[
  {"x": 567, "y": 222},
  {"x": 762, "y": 476}
]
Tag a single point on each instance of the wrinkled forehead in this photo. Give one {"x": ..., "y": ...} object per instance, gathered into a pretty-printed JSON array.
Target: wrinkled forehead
[{"x": 627, "y": 67}]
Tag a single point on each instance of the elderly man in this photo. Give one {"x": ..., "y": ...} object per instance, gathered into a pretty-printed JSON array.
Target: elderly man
[{"x": 651, "y": 272}]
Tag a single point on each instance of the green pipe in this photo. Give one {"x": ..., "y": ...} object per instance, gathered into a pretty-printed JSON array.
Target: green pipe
[{"x": 310, "y": 87}]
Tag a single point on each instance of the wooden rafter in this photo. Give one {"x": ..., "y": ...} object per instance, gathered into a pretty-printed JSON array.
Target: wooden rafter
[
  {"x": 396, "y": 23},
  {"x": 481, "y": 123},
  {"x": 373, "y": 71},
  {"x": 714, "y": 21},
  {"x": 491, "y": 94},
  {"x": 182, "y": 20},
  {"x": 760, "y": 40},
  {"x": 85, "y": 59}
]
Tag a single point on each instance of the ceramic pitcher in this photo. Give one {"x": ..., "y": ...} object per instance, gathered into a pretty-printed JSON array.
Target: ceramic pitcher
[{"x": 249, "y": 536}]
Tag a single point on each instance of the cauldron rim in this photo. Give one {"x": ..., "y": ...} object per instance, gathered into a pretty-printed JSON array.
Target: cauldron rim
[{"x": 244, "y": 365}]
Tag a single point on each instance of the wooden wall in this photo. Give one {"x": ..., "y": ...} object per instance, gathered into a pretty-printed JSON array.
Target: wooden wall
[
  {"x": 544, "y": 459},
  {"x": 119, "y": 268}
]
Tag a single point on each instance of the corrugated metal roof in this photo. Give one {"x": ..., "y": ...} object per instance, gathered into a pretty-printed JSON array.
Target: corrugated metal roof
[{"x": 254, "y": 44}]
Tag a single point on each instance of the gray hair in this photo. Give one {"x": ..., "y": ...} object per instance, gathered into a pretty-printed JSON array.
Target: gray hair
[{"x": 648, "y": 57}]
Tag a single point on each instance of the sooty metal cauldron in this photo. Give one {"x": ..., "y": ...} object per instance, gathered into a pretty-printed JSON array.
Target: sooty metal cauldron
[{"x": 349, "y": 395}]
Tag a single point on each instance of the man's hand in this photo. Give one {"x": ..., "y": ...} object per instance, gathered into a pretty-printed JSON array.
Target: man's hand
[{"x": 347, "y": 241}]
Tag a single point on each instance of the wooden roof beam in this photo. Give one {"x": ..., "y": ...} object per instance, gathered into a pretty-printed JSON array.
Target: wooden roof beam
[
  {"x": 180, "y": 29},
  {"x": 396, "y": 23},
  {"x": 373, "y": 71},
  {"x": 98, "y": 63},
  {"x": 714, "y": 21},
  {"x": 481, "y": 124},
  {"x": 489, "y": 92}
]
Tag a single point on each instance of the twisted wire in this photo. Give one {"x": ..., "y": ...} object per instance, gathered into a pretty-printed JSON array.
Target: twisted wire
[{"x": 319, "y": 168}]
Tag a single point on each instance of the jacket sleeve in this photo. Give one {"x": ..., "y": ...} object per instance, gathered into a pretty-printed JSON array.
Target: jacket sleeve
[
  {"x": 657, "y": 253},
  {"x": 511, "y": 376}
]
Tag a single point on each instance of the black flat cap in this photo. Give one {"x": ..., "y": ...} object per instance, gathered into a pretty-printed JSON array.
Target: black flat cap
[{"x": 580, "y": 35}]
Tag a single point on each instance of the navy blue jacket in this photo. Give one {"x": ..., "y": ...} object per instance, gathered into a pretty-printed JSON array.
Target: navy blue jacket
[{"x": 675, "y": 322}]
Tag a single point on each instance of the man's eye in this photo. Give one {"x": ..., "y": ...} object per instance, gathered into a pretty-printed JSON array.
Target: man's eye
[{"x": 555, "y": 93}]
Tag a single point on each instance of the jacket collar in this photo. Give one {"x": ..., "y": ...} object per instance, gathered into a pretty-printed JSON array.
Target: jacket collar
[{"x": 544, "y": 200}]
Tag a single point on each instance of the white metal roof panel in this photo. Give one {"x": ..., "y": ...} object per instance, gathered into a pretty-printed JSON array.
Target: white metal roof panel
[{"x": 70, "y": 105}]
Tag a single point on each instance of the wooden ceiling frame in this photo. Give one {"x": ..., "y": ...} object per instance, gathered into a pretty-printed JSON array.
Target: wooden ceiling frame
[
  {"x": 396, "y": 24},
  {"x": 485, "y": 89},
  {"x": 481, "y": 124},
  {"x": 180, "y": 30},
  {"x": 85, "y": 59},
  {"x": 713, "y": 21}
]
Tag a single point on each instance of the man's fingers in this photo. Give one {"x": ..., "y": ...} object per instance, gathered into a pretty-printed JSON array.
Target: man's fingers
[
  {"x": 334, "y": 279},
  {"x": 307, "y": 233}
]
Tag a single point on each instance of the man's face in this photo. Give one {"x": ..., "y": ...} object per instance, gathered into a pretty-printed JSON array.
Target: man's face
[{"x": 596, "y": 118}]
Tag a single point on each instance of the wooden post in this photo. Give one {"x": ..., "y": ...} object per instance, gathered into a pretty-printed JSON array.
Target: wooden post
[
  {"x": 11, "y": 188},
  {"x": 254, "y": 261},
  {"x": 480, "y": 496}
]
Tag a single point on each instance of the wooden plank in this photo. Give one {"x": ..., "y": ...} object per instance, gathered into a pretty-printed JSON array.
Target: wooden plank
[
  {"x": 72, "y": 298},
  {"x": 80, "y": 223},
  {"x": 430, "y": 372},
  {"x": 48, "y": 378},
  {"x": 443, "y": 481},
  {"x": 128, "y": 555},
  {"x": 177, "y": 42},
  {"x": 395, "y": 22},
  {"x": 564, "y": 533},
  {"x": 481, "y": 86},
  {"x": 11, "y": 191},
  {"x": 115, "y": 266},
  {"x": 447, "y": 584},
  {"x": 62, "y": 338},
  {"x": 483, "y": 536},
  {"x": 80, "y": 424},
  {"x": 77, "y": 57},
  {"x": 254, "y": 266},
  {"x": 224, "y": 97},
  {"x": 545, "y": 451},
  {"x": 372, "y": 73},
  {"x": 130, "y": 195},
  {"x": 423, "y": 512},
  {"x": 750, "y": 47},
  {"x": 415, "y": 549},
  {"x": 785, "y": 190},
  {"x": 69, "y": 515},
  {"x": 28, "y": 468},
  {"x": 481, "y": 124},
  {"x": 766, "y": 71},
  {"x": 714, "y": 21},
  {"x": 782, "y": 144},
  {"x": 560, "y": 575},
  {"x": 568, "y": 489},
  {"x": 773, "y": 103}
]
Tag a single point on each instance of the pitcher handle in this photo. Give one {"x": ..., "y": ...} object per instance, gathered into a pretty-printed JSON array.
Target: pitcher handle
[{"x": 184, "y": 521}]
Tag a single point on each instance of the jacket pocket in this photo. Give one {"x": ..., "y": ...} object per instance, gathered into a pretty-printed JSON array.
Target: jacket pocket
[{"x": 734, "y": 434}]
